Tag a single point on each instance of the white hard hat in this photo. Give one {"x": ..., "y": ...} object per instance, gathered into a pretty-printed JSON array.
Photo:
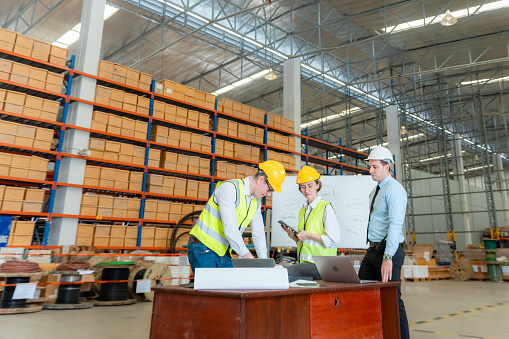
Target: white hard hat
[{"x": 381, "y": 153}]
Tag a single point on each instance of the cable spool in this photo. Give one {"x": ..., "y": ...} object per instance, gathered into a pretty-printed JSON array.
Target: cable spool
[
  {"x": 7, "y": 301},
  {"x": 461, "y": 270},
  {"x": 69, "y": 293},
  {"x": 154, "y": 272},
  {"x": 137, "y": 273},
  {"x": 114, "y": 291}
]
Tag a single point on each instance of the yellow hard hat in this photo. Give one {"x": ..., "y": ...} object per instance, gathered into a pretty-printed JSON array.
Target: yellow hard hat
[
  {"x": 275, "y": 173},
  {"x": 307, "y": 174}
]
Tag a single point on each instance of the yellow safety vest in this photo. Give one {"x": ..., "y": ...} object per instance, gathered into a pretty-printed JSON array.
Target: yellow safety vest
[
  {"x": 209, "y": 227},
  {"x": 314, "y": 224}
]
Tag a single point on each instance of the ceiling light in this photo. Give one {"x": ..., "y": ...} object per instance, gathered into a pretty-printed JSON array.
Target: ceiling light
[
  {"x": 448, "y": 19},
  {"x": 271, "y": 75},
  {"x": 403, "y": 130},
  {"x": 242, "y": 82},
  {"x": 259, "y": 74}
]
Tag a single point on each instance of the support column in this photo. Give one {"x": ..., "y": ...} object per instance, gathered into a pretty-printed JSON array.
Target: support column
[
  {"x": 393, "y": 138},
  {"x": 501, "y": 185},
  {"x": 459, "y": 171},
  {"x": 72, "y": 170},
  {"x": 292, "y": 100}
]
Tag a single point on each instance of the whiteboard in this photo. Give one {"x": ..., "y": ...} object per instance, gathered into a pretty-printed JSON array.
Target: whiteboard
[{"x": 348, "y": 194}]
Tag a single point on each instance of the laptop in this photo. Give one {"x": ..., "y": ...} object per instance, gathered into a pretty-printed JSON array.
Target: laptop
[
  {"x": 245, "y": 262},
  {"x": 338, "y": 269}
]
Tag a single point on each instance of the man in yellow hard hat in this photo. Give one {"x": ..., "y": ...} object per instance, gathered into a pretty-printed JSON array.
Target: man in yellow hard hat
[{"x": 234, "y": 204}]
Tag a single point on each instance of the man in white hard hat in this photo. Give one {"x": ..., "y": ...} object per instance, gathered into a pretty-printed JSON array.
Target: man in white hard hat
[{"x": 388, "y": 201}]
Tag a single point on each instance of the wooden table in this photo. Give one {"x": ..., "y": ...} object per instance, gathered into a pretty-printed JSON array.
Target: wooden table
[{"x": 335, "y": 311}]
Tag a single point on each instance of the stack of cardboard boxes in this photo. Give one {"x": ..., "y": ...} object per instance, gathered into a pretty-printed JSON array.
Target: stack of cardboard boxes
[
  {"x": 187, "y": 94},
  {"x": 181, "y": 187},
  {"x": 28, "y": 105},
  {"x": 19, "y": 44},
  {"x": 30, "y": 76},
  {"x": 183, "y": 139},
  {"x": 277, "y": 140},
  {"x": 21, "y": 233},
  {"x": 185, "y": 163},
  {"x": 108, "y": 206},
  {"x": 114, "y": 124},
  {"x": 25, "y": 135},
  {"x": 238, "y": 130},
  {"x": 21, "y": 199},
  {"x": 288, "y": 161},
  {"x": 124, "y": 75},
  {"x": 180, "y": 115},
  {"x": 226, "y": 170},
  {"x": 163, "y": 210},
  {"x": 23, "y": 166},
  {"x": 241, "y": 111},
  {"x": 117, "y": 151},
  {"x": 277, "y": 121},
  {"x": 122, "y": 100}
]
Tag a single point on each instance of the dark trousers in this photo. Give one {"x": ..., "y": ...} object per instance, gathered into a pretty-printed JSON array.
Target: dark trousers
[{"x": 371, "y": 269}]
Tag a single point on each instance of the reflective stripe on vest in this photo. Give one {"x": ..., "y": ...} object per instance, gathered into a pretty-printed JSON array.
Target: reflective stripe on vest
[
  {"x": 209, "y": 227},
  {"x": 314, "y": 224}
]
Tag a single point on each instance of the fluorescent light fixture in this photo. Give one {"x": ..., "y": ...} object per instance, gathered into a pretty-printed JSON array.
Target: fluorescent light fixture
[
  {"x": 311, "y": 69},
  {"x": 259, "y": 74},
  {"x": 329, "y": 117},
  {"x": 242, "y": 82},
  {"x": 482, "y": 81},
  {"x": 197, "y": 17},
  {"x": 227, "y": 30},
  {"x": 476, "y": 168},
  {"x": 253, "y": 42},
  {"x": 73, "y": 34},
  {"x": 223, "y": 90},
  {"x": 457, "y": 14},
  {"x": 277, "y": 53}
]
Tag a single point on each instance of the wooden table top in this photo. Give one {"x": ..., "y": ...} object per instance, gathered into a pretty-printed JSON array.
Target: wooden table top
[{"x": 326, "y": 287}]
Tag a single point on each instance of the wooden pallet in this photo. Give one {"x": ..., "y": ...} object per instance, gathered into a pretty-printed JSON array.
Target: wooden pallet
[
  {"x": 439, "y": 273},
  {"x": 416, "y": 279}
]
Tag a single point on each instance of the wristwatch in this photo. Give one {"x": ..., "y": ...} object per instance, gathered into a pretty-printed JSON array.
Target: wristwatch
[{"x": 387, "y": 257}]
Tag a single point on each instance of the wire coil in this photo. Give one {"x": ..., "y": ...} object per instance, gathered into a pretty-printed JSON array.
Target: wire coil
[{"x": 114, "y": 291}]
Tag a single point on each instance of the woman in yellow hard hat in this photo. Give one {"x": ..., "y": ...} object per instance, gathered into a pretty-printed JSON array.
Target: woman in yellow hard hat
[
  {"x": 319, "y": 231},
  {"x": 234, "y": 204}
]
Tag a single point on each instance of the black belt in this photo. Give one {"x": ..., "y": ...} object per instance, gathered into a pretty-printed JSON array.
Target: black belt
[
  {"x": 195, "y": 240},
  {"x": 373, "y": 244}
]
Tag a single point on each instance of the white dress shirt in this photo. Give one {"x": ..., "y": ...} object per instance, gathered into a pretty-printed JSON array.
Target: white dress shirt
[
  {"x": 331, "y": 225},
  {"x": 225, "y": 196}
]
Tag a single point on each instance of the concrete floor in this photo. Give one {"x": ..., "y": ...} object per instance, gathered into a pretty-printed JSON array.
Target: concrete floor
[{"x": 424, "y": 301}]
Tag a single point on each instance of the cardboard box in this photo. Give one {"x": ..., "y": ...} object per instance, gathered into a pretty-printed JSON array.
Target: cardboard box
[
  {"x": 101, "y": 241},
  {"x": 50, "y": 290},
  {"x": 32, "y": 194},
  {"x": 85, "y": 230},
  {"x": 147, "y": 242},
  {"x": 84, "y": 240},
  {"x": 116, "y": 241},
  {"x": 58, "y": 52}
]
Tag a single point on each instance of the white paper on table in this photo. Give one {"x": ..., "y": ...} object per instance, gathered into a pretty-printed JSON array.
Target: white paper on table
[
  {"x": 83, "y": 272},
  {"x": 24, "y": 291},
  {"x": 241, "y": 279},
  {"x": 484, "y": 268},
  {"x": 143, "y": 286},
  {"x": 301, "y": 281},
  {"x": 476, "y": 268}
]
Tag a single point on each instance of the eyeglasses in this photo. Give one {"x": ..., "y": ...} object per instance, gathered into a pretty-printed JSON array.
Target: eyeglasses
[{"x": 268, "y": 185}]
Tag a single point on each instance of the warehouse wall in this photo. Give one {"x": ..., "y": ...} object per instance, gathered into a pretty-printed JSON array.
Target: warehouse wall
[{"x": 434, "y": 206}]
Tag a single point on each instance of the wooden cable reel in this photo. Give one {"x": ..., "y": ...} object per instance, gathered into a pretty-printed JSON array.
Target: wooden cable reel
[
  {"x": 152, "y": 272},
  {"x": 461, "y": 270},
  {"x": 140, "y": 268}
]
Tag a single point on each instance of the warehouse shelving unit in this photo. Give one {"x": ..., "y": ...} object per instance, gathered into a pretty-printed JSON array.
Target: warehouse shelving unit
[{"x": 148, "y": 144}]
